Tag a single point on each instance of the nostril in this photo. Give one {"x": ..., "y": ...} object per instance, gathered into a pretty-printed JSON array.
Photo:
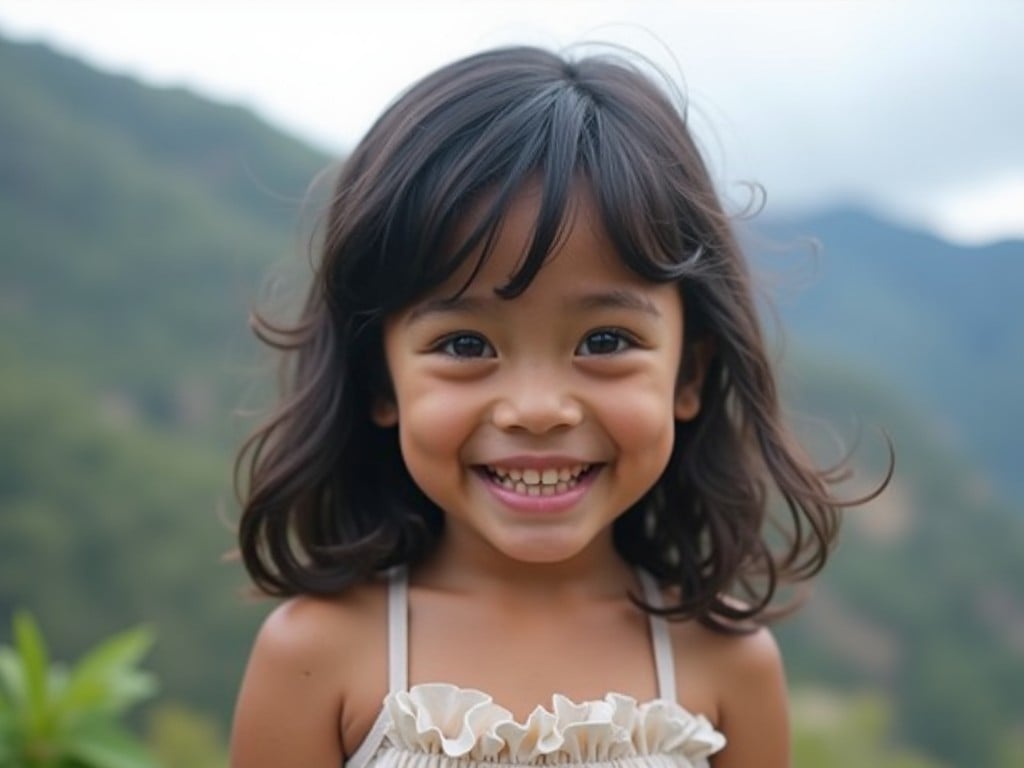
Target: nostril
[{"x": 536, "y": 413}]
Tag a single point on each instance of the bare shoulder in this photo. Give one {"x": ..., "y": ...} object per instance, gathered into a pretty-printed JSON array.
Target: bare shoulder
[
  {"x": 727, "y": 658},
  {"x": 739, "y": 656},
  {"x": 314, "y": 628},
  {"x": 738, "y": 681},
  {"x": 313, "y": 662}
]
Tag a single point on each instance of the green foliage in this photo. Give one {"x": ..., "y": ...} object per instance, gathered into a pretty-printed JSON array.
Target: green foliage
[
  {"x": 181, "y": 738},
  {"x": 854, "y": 732},
  {"x": 124, "y": 523},
  {"x": 1011, "y": 749},
  {"x": 53, "y": 717}
]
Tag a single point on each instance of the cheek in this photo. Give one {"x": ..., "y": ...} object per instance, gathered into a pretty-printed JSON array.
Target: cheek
[
  {"x": 434, "y": 423},
  {"x": 640, "y": 418},
  {"x": 428, "y": 411}
]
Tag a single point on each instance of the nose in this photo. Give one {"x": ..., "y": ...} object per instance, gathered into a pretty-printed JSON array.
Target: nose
[{"x": 536, "y": 402}]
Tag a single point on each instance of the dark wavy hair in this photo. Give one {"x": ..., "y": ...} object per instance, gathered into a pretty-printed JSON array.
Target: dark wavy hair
[{"x": 327, "y": 501}]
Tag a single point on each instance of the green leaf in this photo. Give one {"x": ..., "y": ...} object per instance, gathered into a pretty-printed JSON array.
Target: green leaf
[
  {"x": 122, "y": 651},
  {"x": 103, "y": 745},
  {"x": 129, "y": 689},
  {"x": 106, "y": 680},
  {"x": 12, "y": 681},
  {"x": 32, "y": 649},
  {"x": 9, "y": 740}
]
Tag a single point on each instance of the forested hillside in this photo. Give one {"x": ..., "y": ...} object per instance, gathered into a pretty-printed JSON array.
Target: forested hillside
[
  {"x": 137, "y": 225},
  {"x": 936, "y": 320}
]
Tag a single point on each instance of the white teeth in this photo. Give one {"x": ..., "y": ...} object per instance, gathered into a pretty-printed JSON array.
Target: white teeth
[
  {"x": 549, "y": 476},
  {"x": 535, "y": 482}
]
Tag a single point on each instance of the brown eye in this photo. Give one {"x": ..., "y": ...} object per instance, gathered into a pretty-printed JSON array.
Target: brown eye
[
  {"x": 467, "y": 345},
  {"x": 604, "y": 342}
]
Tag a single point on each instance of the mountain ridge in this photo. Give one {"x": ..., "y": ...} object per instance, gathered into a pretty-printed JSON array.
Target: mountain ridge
[{"x": 918, "y": 311}]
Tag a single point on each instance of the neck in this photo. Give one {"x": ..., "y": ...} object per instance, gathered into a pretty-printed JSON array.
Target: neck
[{"x": 462, "y": 563}]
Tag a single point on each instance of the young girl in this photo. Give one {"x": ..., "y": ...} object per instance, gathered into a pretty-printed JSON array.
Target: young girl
[{"x": 516, "y": 488}]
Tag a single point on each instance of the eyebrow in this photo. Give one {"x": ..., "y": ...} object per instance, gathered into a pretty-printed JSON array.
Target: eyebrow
[
  {"x": 615, "y": 299},
  {"x": 456, "y": 305},
  {"x": 619, "y": 299}
]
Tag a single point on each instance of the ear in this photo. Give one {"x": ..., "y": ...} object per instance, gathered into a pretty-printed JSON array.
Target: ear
[
  {"x": 696, "y": 359},
  {"x": 384, "y": 411}
]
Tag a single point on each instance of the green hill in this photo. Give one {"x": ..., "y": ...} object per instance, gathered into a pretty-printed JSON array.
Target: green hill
[
  {"x": 136, "y": 227},
  {"x": 921, "y": 597},
  {"x": 935, "y": 319}
]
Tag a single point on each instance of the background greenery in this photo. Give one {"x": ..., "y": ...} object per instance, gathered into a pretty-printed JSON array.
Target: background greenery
[{"x": 138, "y": 225}]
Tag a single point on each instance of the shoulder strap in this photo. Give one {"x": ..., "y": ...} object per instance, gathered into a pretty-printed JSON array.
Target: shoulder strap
[
  {"x": 398, "y": 630},
  {"x": 398, "y": 620},
  {"x": 664, "y": 661}
]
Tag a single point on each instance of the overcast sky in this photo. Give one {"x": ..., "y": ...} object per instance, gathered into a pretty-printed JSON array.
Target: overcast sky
[{"x": 914, "y": 108}]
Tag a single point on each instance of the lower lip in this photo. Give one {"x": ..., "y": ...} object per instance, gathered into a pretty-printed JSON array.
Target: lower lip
[{"x": 542, "y": 505}]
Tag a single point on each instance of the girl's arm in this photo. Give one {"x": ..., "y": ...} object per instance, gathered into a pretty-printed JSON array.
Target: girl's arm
[
  {"x": 754, "y": 714},
  {"x": 289, "y": 706}
]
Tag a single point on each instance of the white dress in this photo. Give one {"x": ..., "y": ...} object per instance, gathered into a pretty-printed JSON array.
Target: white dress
[{"x": 437, "y": 725}]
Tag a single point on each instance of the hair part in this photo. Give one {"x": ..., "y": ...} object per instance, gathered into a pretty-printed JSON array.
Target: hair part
[{"x": 327, "y": 501}]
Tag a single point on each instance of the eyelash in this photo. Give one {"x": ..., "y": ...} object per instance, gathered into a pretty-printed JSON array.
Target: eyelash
[
  {"x": 446, "y": 346},
  {"x": 623, "y": 342}
]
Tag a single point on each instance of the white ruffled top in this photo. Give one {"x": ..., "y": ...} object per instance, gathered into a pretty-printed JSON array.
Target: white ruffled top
[{"x": 438, "y": 725}]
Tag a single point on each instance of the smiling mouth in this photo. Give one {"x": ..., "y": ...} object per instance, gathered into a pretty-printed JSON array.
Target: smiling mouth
[{"x": 538, "y": 482}]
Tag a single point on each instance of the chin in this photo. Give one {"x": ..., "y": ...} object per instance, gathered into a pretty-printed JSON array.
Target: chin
[{"x": 542, "y": 551}]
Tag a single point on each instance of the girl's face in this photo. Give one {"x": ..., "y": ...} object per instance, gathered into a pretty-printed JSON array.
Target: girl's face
[{"x": 534, "y": 422}]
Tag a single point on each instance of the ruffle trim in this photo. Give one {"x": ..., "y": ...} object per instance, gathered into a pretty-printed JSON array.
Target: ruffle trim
[{"x": 439, "y": 718}]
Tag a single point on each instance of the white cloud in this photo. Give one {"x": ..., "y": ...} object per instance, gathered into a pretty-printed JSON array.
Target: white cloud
[
  {"x": 901, "y": 105},
  {"x": 972, "y": 213}
]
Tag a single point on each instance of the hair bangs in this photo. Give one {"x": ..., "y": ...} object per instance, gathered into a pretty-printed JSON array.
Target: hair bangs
[
  {"x": 641, "y": 218},
  {"x": 554, "y": 124},
  {"x": 645, "y": 172},
  {"x": 475, "y": 177}
]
